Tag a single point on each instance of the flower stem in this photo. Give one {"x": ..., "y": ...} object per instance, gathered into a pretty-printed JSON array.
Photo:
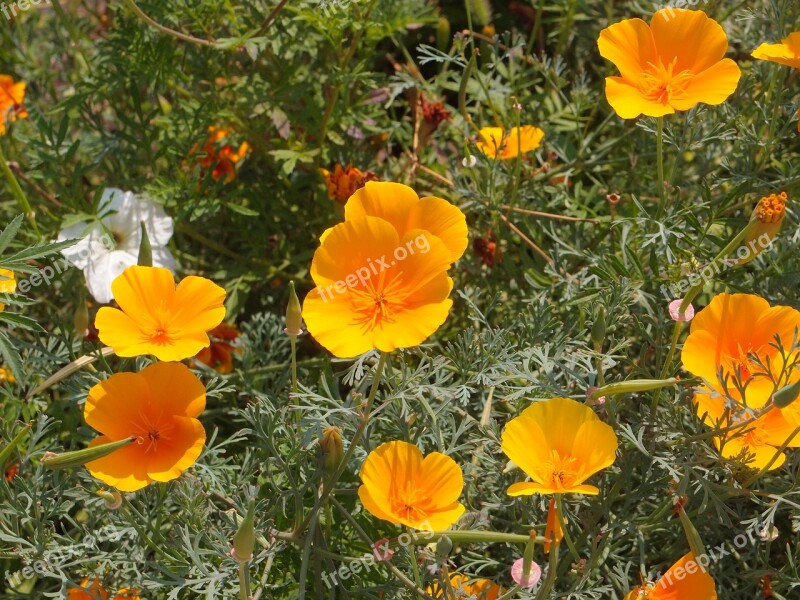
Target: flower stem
[
  {"x": 552, "y": 572},
  {"x": 466, "y": 536},
  {"x": 293, "y": 342},
  {"x": 329, "y": 485},
  {"x": 662, "y": 191},
  {"x": 244, "y": 582},
  {"x": 16, "y": 190}
]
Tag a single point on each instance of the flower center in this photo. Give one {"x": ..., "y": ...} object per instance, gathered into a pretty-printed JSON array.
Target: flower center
[
  {"x": 562, "y": 470},
  {"x": 377, "y": 303},
  {"x": 661, "y": 84},
  {"x": 160, "y": 336}
]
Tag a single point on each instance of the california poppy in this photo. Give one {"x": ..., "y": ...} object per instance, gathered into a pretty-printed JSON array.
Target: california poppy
[
  {"x": 480, "y": 589},
  {"x": 159, "y": 406},
  {"x": 156, "y": 317},
  {"x": 12, "y": 96},
  {"x": 94, "y": 590},
  {"x": 402, "y": 487},
  {"x": 786, "y": 53},
  {"x": 219, "y": 354},
  {"x": 734, "y": 338},
  {"x": 367, "y": 297},
  {"x": 505, "y": 145},
  {"x": 559, "y": 444},
  {"x": 686, "y": 579},
  {"x": 8, "y": 284},
  {"x": 671, "y": 65}
]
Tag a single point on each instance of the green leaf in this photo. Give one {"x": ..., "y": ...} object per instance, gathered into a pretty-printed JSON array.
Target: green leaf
[{"x": 9, "y": 232}]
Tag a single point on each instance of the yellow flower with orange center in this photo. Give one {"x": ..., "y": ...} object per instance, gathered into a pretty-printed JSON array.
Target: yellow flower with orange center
[
  {"x": 504, "y": 145},
  {"x": 687, "y": 579},
  {"x": 756, "y": 442},
  {"x": 786, "y": 53},
  {"x": 158, "y": 406},
  {"x": 402, "y": 487},
  {"x": 156, "y": 317},
  {"x": 94, "y": 590},
  {"x": 381, "y": 276},
  {"x": 671, "y": 65},
  {"x": 12, "y": 95},
  {"x": 559, "y": 444},
  {"x": 480, "y": 589},
  {"x": 8, "y": 284},
  {"x": 343, "y": 182},
  {"x": 734, "y": 338},
  {"x": 220, "y": 155}
]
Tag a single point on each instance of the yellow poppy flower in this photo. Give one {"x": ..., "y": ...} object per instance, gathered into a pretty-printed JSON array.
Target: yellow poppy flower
[
  {"x": 480, "y": 589},
  {"x": 673, "y": 64},
  {"x": 157, "y": 318},
  {"x": 406, "y": 211},
  {"x": 559, "y": 443},
  {"x": 786, "y": 53},
  {"x": 497, "y": 143},
  {"x": 735, "y": 334},
  {"x": 402, "y": 487},
  {"x": 369, "y": 295},
  {"x": 157, "y": 405},
  {"x": 12, "y": 95},
  {"x": 8, "y": 284},
  {"x": 686, "y": 579},
  {"x": 757, "y": 442}
]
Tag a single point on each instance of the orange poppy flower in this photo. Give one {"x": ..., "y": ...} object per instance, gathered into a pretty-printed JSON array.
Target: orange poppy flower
[
  {"x": 219, "y": 355},
  {"x": 756, "y": 443},
  {"x": 686, "y": 579},
  {"x": 497, "y": 143},
  {"x": 93, "y": 591},
  {"x": 12, "y": 95},
  {"x": 366, "y": 297},
  {"x": 157, "y": 318},
  {"x": 559, "y": 444},
  {"x": 480, "y": 589},
  {"x": 219, "y": 155},
  {"x": 8, "y": 284},
  {"x": 344, "y": 182},
  {"x": 158, "y": 406},
  {"x": 406, "y": 211},
  {"x": 671, "y": 65},
  {"x": 735, "y": 336},
  {"x": 402, "y": 487},
  {"x": 786, "y": 53}
]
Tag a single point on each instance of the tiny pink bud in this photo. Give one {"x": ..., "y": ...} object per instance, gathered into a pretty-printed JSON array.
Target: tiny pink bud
[
  {"x": 599, "y": 401},
  {"x": 674, "y": 311},
  {"x": 533, "y": 577}
]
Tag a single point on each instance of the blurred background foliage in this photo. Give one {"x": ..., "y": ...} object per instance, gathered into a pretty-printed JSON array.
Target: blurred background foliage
[{"x": 114, "y": 102}]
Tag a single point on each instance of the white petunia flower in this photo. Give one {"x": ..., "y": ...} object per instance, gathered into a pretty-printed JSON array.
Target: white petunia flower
[{"x": 106, "y": 250}]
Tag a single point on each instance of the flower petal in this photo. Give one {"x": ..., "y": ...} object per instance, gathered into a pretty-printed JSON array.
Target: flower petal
[
  {"x": 442, "y": 219},
  {"x": 690, "y": 38},
  {"x": 389, "y": 201},
  {"x": 712, "y": 86},
  {"x": 173, "y": 456},
  {"x": 124, "y": 469},
  {"x": 629, "y": 102},
  {"x": 629, "y": 45}
]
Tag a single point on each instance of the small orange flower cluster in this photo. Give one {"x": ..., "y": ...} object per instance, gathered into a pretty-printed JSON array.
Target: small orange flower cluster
[
  {"x": 94, "y": 590},
  {"x": 481, "y": 589},
  {"x": 344, "y": 182},
  {"x": 12, "y": 96},
  {"x": 219, "y": 155}
]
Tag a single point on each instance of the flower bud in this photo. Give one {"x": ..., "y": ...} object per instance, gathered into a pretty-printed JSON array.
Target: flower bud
[
  {"x": 244, "y": 541},
  {"x": 692, "y": 536},
  {"x": 65, "y": 460},
  {"x": 145, "y": 249},
  {"x": 332, "y": 448},
  {"x": 5, "y": 453},
  {"x": 765, "y": 223},
  {"x": 443, "y": 38},
  {"x": 81, "y": 318},
  {"x": 786, "y": 395},
  {"x": 294, "y": 314},
  {"x": 599, "y": 329},
  {"x": 111, "y": 498}
]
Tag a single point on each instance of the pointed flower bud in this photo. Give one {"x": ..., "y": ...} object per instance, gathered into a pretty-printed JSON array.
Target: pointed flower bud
[
  {"x": 692, "y": 536},
  {"x": 294, "y": 314},
  {"x": 332, "y": 448},
  {"x": 66, "y": 460},
  {"x": 599, "y": 329},
  {"x": 786, "y": 395},
  {"x": 5, "y": 453},
  {"x": 244, "y": 542},
  {"x": 145, "y": 249}
]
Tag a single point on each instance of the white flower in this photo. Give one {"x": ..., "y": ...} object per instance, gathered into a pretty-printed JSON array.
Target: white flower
[{"x": 106, "y": 250}]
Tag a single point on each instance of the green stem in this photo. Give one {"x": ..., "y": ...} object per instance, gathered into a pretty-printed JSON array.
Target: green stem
[
  {"x": 329, "y": 485},
  {"x": 293, "y": 342},
  {"x": 662, "y": 191},
  {"x": 244, "y": 582},
  {"x": 16, "y": 190},
  {"x": 562, "y": 522},
  {"x": 552, "y": 572},
  {"x": 466, "y": 536}
]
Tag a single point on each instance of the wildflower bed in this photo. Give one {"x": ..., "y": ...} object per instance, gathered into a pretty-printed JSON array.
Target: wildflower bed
[{"x": 399, "y": 299}]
